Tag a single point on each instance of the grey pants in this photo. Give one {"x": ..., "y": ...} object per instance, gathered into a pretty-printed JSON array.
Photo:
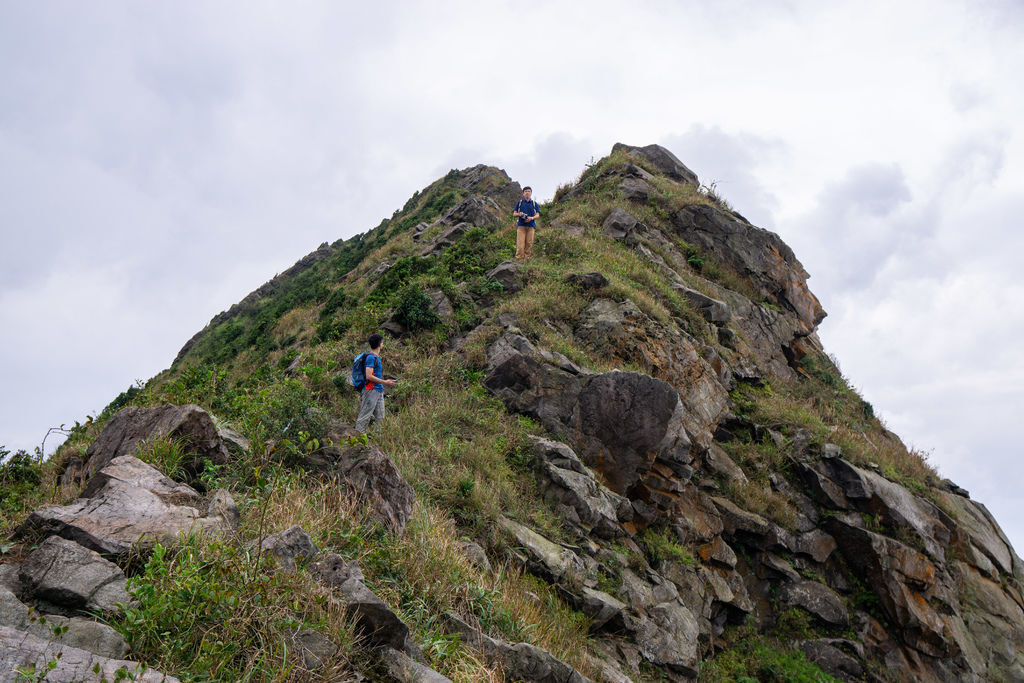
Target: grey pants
[{"x": 371, "y": 404}]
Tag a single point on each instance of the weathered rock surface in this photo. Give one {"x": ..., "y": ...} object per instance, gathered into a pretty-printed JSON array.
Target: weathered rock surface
[
  {"x": 587, "y": 281},
  {"x": 314, "y": 647},
  {"x": 82, "y": 633},
  {"x": 544, "y": 558},
  {"x": 669, "y": 638},
  {"x": 370, "y": 476},
  {"x": 620, "y": 224},
  {"x": 662, "y": 159},
  {"x": 290, "y": 546},
  {"x": 509, "y": 274},
  {"x": 571, "y": 487},
  {"x": 66, "y": 574},
  {"x": 521, "y": 661},
  {"x": 404, "y": 669},
  {"x": 131, "y": 427},
  {"x": 21, "y": 650},
  {"x": 374, "y": 619},
  {"x": 124, "y": 512}
]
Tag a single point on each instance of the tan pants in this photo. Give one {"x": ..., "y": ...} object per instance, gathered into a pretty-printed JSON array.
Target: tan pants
[{"x": 524, "y": 241}]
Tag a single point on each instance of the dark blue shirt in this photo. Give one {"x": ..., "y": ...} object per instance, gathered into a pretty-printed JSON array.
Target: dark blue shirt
[
  {"x": 373, "y": 361},
  {"x": 529, "y": 207}
]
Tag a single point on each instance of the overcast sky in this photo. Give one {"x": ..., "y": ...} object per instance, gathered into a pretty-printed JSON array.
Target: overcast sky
[{"x": 158, "y": 161}]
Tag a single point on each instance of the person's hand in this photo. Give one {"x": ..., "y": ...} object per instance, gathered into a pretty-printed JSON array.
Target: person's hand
[{"x": 391, "y": 382}]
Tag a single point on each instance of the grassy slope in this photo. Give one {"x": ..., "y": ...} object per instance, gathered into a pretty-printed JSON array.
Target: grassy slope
[{"x": 455, "y": 444}]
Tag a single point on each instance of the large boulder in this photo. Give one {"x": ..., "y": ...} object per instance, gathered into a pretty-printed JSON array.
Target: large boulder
[
  {"x": 661, "y": 159},
  {"x": 509, "y": 274},
  {"x": 64, "y": 573},
  {"x": 24, "y": 651},
  {"x": 370, "y": 477},
  {"x": 142, "y": 510},
  {"x": 132, "y": 427},
  {"x": 628, "y": 426},
  {"x": 289, "y": 547},
  {"x": 85, "y": 634},
  {"x": 758, "y": 255},
  {"x": 669, "y": 638},
  {"x": 620, "y": 224}
]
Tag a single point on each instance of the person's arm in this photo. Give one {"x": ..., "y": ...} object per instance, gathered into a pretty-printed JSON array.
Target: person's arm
[
  {"x": 536, "y": 212},
  {"x": 370, "y": 377}
]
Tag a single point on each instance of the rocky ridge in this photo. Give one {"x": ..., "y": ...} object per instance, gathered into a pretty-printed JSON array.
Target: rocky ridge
[{"x": 652, "y": 469}]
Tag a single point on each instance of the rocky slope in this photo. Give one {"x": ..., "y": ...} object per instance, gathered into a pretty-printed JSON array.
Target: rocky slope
[{"x": 642, "y": 417}]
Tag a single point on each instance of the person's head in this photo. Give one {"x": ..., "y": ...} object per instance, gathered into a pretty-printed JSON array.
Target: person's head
[
  {"x": 527, "y": 191},
  {"x": 375, "y": 341}
]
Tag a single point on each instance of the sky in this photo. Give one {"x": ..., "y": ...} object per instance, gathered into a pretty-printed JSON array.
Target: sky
[{"x": 158, "y": 161}]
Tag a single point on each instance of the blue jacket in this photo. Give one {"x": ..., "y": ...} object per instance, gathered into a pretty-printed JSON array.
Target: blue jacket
[
  {"x": 373, "y": 361},
  {"x": 528, "y": 207}
]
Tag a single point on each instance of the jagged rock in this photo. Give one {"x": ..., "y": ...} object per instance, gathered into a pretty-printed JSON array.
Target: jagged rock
[
  {"x": 714, "y": 311},
  {"x": 974, "y": 521},
  {"x": 663, "y": 160},
  {"x": 314, "y": 647},
  {"x": 736, "y": 519},
  {"x": 718, "y": 551},
  {"x": 621, "y": 330},
  {"x": 521, "y": 661},
  {"x": 439, "y": 304},
  {"x": 475, "y": 210},
  {"x": 815, "y": 543},
  {"x": 9, "y": 578},
  {"x": 628, "y": 426},
  {"x": 124, "y": 513},
  {"x": 133, "y": 426},
  {"x": 446, "y": 238},
  {"x": 547, "y": 558},
  {"x": 669, "y": 637},
  {"x": 637, "y": 592},
  {"x": 294, "y": 366},
  {"x": 290, "y": 545},
  {"x": 697, "y": 516},
  {"x": 587, "y": 281},
  {"x": 620, "y": 224},
  {"x": 66, "y": 574},
  {"x": 635, "y": 189},
  {"x": 82, "y": 633},
  {"x": 756, "y": 254},
  {"x": 817, "y": 599},
  {"x": 130, "y": 472},
  {"x": 509, "y": 274},
  {"x": 838, "y": 482},
  {"x": 832, "y": 660},
  {"x": 370, "y": 476},
  {"x": 718, "y": 461},
  {"x": 600, "y": 607},
  {"x": 232, "y": 438},
  {"x": 19, "y": 649},
  {"x": 773, "y": 567},
  {"x": 726, "y": 586},
  {"x": 404, "y": 669},
  {"x": 566, "y": 481},
  {"x": 373, "y": 617}
]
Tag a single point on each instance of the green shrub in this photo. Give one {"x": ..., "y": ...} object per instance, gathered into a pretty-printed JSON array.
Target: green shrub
[
  {"x": 413, "y": 311},
  {"x": 660, "y": 546}
]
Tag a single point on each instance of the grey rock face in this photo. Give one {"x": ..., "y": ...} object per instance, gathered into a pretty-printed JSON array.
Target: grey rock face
[
  {"x": 19, "y": 649},
  {"x": 369, "y": 476},
  {"x": 289, "y": 546},
  {"x": 124, "y": 513},
  {"x": 818, "y": 599},
  {"x": 66, "y": 574},
  {"x": 635, "y": 189},
  {"x": 662, "y": 159},
  {"x": 714, "y": 311},
  {"x": 132, "y": 426},
  {"x": 565, "y": 481},
  {"x": 509, "y": 274},
  {"x": 670, "y": 638},
  {"x": 833, "y": 660},
  {"x": 620, "y": 224},
  {"x": 315, "y": 647},
  {"x": 440, "y": 305},
  {"x": 544, "y": 557},
  {"x": 759, "y": 255},
  {"x": 404, "y": 669},
  {"x": 85, "y": 634},
  {"x": 373, "y": 617}
]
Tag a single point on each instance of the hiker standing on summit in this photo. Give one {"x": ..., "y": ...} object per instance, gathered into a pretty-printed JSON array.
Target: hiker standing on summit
[
  {"x": 371, "y": 401},
  {"x": 526, "y": 212}
]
